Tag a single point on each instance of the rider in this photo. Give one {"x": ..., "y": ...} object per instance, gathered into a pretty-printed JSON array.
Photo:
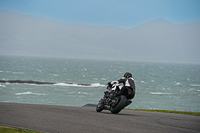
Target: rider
[{"x": 128, "y": 86}]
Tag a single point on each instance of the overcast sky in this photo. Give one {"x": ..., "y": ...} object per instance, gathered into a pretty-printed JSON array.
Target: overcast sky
[
  {"x": 152, "y": 41},
  {"x": 120, "y": 13}
]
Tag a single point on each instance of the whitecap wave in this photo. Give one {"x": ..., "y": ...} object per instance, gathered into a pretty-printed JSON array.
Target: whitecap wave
[
  {"x": 14, "y": 72},
  {"x": 37, "y": 84},
  {"x": 178, "y": 83},
  {"x": 29, "y": 93},
  {"x": 39, "y": 70},
  {"x": 80, "y": 85},
  {"x": 2, "y": 85},
  {"x": 159, "y": 93},
  {"x": 103, "y": 79},
  {"x": 97, "y": 85},
  {"x": 56, "y": 75},
  {"x": 195, "y": 85},
  {"x": 85, "y": 93},
  {"x": 66, "y": 84}
]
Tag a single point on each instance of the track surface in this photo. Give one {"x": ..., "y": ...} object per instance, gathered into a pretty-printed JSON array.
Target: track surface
[{"x": 65, "y": 119}]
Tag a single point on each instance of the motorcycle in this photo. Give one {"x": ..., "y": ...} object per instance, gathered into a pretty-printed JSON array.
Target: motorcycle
[{"x": 113, "y": 99}]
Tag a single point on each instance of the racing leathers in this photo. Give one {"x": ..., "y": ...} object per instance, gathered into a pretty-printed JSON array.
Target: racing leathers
[{"x": 128, "y": 86}]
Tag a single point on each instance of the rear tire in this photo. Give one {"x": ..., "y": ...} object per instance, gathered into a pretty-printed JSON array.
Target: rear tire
[{"x": 120, "y": 105}]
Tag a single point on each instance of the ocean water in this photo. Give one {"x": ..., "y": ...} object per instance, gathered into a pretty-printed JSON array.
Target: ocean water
[{"x": 167, "y": 86}]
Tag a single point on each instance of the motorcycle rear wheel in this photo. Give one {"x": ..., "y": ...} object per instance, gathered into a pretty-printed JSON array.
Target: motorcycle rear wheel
[{"x": 119, "y": 106}]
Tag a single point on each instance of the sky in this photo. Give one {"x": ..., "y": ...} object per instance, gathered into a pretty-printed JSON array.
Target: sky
[
  {"x": 125, "y": 17},
  {"x": 117, "y": 13}
]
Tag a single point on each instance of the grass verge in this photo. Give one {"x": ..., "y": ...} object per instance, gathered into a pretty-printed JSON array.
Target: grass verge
[
  {"x": 4, "y": 129},
  {"x": 168, "y": 111}
]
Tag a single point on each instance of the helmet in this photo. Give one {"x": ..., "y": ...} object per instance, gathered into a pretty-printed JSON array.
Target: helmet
[{"x": 127, "y": 75}]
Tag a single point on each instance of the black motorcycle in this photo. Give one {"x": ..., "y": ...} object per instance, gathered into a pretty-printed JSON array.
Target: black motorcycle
[{"x": 113, "y": 99}]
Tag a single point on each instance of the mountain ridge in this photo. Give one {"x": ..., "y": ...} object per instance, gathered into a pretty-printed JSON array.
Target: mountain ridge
[{"x": 154, "y": 40}]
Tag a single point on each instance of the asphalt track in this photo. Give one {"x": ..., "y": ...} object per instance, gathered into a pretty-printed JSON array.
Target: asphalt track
[{"x": 66, "y": 119}]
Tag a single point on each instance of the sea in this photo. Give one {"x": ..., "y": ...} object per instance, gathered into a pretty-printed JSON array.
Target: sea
[{"x": 165, "y": 86}]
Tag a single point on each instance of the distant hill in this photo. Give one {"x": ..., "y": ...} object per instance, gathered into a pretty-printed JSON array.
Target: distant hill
[{"x": 158, "y": 40}]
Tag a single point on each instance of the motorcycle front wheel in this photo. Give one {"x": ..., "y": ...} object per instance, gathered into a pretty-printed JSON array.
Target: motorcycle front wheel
[
  {"x": 99, "y": 107},
  {"x": 121, "y": 104}
]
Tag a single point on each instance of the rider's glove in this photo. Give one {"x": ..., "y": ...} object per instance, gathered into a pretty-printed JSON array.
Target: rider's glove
[{"x": 109, "y": 84}]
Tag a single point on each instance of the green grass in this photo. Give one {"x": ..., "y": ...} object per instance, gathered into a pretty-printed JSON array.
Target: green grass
[
  {"x": 4, "y": 129},
  {"x": 168, "y": 111}
]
